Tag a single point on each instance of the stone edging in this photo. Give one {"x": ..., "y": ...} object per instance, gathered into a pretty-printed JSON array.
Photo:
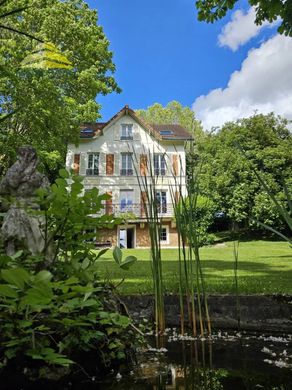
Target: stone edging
[{"x": 264, "y": 313}]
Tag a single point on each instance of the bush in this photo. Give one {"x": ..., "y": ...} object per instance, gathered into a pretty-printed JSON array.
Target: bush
[
  {"x": 202, "y": 209},
  {"x": 54, "y": 307}
]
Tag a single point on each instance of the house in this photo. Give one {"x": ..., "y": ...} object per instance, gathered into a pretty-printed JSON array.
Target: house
[{"x": 114, "y": 155}]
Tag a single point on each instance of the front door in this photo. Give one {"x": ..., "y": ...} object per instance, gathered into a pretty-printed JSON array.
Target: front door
[{"x": 127, "y": 237}]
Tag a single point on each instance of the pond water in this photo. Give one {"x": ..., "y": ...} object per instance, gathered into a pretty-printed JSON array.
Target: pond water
[{"x": 234, "y": 361}]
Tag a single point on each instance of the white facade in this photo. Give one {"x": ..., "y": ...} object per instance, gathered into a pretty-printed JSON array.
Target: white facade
[{"x": 121, "y": 183}]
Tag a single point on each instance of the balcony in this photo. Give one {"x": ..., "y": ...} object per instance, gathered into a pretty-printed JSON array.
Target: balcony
[
  {"x": 92, "y": 172},
  {"x": 127, "y": 172},
  {"x": 137, "y": 210}
]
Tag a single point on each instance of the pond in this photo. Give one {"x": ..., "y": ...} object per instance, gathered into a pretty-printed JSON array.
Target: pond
[{"x": 227, "y": 361}]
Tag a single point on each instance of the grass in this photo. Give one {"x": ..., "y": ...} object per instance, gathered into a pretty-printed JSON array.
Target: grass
[{"x": 264, "y": 267}]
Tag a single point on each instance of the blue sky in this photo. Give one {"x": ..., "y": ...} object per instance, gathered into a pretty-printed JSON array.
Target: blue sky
[{"x": 162, "y": 53}]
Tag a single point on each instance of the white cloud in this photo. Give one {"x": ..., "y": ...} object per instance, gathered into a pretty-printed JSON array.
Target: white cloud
[
  {"x": 264, "y": 83},
  {"x": 241, "y": 29}
]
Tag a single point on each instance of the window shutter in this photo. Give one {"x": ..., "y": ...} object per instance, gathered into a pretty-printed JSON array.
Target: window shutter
[
  {"x": 83, "y": 164},
  {"x": 143, "y": 164},
  {"x": 143, "y": 202},
  {"x": 176, "y": 197},
  {"x": 136, "y": 133},
  {"x": 76, "y": 163},
  {"x": 116, "y": 131},
  {"x": 109, "y": 204},
  {"x": 110, "y": 159},
  {"x": 102, "y": 164},
  {"x": 117, "y": 160},
  {"x": 175, "y": 164},
  {"x": 69, "y": 160}
]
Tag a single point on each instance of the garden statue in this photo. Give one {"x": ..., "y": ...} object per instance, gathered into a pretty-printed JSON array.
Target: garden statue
[{"x": 21, "y": 228}]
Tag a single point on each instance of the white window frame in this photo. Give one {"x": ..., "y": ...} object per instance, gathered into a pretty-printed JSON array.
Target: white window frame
[
  {"x": 161, "y": 206},
  {"x": 127, "y": 168},
  {"x": 92, "y": 164},
  {"x": 159, "y": 163},
  {"x": 126, "y": 132},
  {"x": 166, "y": 227},
  {"x": 91, "y": 240},
  {"x": 128, "y": 198}
]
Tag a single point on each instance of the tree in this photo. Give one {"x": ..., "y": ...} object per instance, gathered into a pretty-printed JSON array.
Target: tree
[
  {"x": 228, "y": 175},
  {"x": 173, "y": 113},
  {"x": 266, "y": 10},
  {"x": 49, "y": 104}
]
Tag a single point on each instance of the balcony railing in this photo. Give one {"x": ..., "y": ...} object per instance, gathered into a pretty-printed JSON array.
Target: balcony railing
[
  {"x": 92, "y": 172},
  {"x": 137, "y": 210},
  {"x": 127, "y": 172}
]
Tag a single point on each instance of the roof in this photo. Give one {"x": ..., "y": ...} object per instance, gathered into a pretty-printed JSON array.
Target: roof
[
  {"x": 172, "y": 132},
  {"x": 160, "y": 132},
  {"x": 90, "y": 130}
]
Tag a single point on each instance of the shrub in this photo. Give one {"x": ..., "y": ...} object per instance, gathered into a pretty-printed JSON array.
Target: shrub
[{"x": 54, "y": 307}]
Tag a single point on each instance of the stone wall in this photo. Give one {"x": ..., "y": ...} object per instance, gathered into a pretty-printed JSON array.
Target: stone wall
[
  {"x": 257, "y": 313},
  {"x": 143, "y": 239},
  {"x": 104, "y": 235},
  {"x": 142, "y": 236}
]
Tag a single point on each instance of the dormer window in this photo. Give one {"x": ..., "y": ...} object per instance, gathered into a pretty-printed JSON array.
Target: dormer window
[
  {"x": 126, "y": 132},
  {"x": 166, "y": 132}
]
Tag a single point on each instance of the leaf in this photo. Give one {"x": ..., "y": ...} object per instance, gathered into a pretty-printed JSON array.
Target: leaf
[
  {"x": 17, "y": 276},
  {"x": 101, "y": 252},
  {"x": 128, "y": 262},
  {"x": 46, "y": 56},
  {"x": 8, "y": 291},
  {"x": 17, "y": 254},
  {"x": 118, "y": 255},
  {"x": 4, "y": 260},
  {"x": 273, "y": 230},
  {"x": 50, "y": 356},
  {"x": 40, "y": 294},
  {"x": 43, "y": 276},
  {"x": 64, "y": 173}
]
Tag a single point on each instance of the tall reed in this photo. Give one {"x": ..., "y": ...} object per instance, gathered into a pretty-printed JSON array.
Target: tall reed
[
  {"x": 235, "y": 268},
  {"x": 147, "y": 183},
  {"x": 191, "y": 277}
]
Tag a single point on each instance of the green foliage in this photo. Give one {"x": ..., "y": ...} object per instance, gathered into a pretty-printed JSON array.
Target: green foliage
[
  {"x": 173, "y": 113},
  {"x": 123, "y": 264},
  {"x": 50, "y": 319},
  {"x": 229, "y": 177},
  {"x": 202, "y": 216},
  {"x": 49, "y": 104},
  {"x": 70, "y": 219},
  {"x": 266, "y": 10},
  {"x": 54, "y": 307},
  {"x": 279, "y": 206},
  {"x": 46, "y": 56}
]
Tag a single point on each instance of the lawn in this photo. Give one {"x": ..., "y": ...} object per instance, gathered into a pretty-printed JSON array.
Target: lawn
[{"x": 264, "y": 267}]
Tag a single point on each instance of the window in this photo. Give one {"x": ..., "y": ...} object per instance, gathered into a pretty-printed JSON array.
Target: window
[
  {"x": 87, "y": 133},
  {"x": 159, "y": 164},
  {"x": 126, "y": 200},
  {"x": 166, "y": 132},
  {"x": 90, "y": 235},
  {"x": 164, "y": 234},
  {"x": 126, "y": 132},
  {"x": 93, "y": 164},
  {"x": 161, "y": 202},
  {"x": 126, "y": 164}
]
